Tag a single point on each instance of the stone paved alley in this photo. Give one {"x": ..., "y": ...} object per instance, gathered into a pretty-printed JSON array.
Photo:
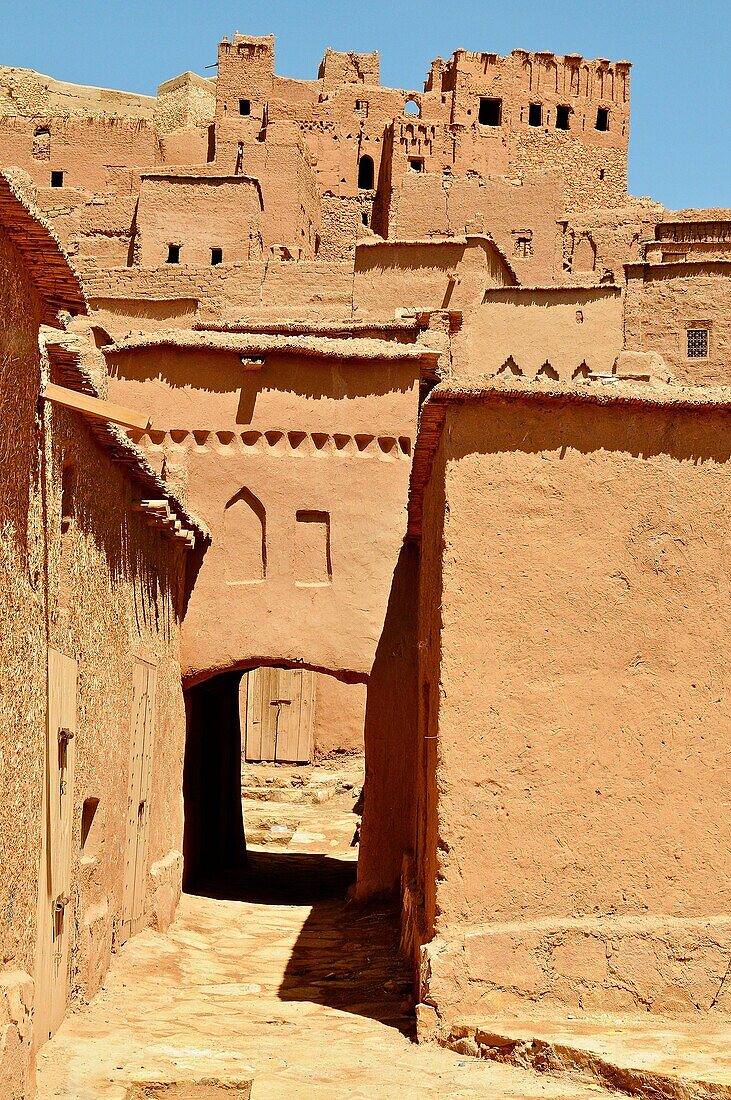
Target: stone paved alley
[{"x": 287, "y": 987}]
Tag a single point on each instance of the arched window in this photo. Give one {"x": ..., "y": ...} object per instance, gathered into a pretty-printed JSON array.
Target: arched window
[{"x": 365, "y": 173}]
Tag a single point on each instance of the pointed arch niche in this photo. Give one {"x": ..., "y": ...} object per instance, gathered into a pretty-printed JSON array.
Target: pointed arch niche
[{"x": 244, "y": 539}]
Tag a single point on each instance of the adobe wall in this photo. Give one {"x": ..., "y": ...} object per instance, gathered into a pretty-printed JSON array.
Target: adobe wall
[
  {"x": 339, "y": 716},
  {"x": 87, "y": 150},
  {"x": 197, "y": 213},
  {"x": 114, "y": 592},
  {"x": 580, "y": 705},
  {"x": 22, "y": 647},
  {"x": 562, "y": 332},
  {"x": 424, "y": 274},
  {"x": 122, "y": 599},
  {"x": 329, "y": 440},
  {"x": 664, "y": 300}
]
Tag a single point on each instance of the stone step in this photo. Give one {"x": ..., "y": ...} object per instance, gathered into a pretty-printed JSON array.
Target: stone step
[
  {"x": 312, "y": 795},
  {"x": 649, "y": 1056}
]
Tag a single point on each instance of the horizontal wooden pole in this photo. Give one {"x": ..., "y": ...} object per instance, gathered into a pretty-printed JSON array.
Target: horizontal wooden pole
[{"x": 95, "y": 407}]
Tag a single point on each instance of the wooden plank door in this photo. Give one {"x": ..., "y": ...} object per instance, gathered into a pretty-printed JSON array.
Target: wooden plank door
[
  {"x": 276, "y": 707},
  {"x": 55, "y": 910},
  {"x": 260, "y": 719},
  {"x": 294, "y": 714},
  {"x": 144, "y": 681}
]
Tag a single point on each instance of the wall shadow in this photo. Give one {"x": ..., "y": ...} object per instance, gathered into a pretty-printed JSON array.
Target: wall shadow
[{"x": 346, "y": 955}]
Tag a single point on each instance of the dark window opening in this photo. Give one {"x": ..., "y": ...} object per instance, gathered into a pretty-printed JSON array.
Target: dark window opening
[
  {"x": 601, "y": 173},
  {"x": 416, "y": 164},
  {"x": 87, "y": 818},
  {"x": 364, "y": 217},
  {"x": 244, "y": 106},
  {"x": 697, "y": 343},
  {"x": 602, "y": 119},
  {"x": 173, "y": 254},
  {"x": 56, "y": 179},
  {"x": 490, "y": 112},
  {"x": 216, "y": 256},
  {"x": 562, "y": 117},
  {"x": 365, "y": 173},
  {"x": 535, "y": 114}
]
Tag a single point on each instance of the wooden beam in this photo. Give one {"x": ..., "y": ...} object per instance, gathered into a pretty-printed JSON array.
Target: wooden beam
[{"x": 95, "y": 407}]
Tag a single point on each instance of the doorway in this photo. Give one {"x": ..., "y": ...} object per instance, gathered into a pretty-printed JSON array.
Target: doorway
[
  {"x": 55, "y": 912},
  {"x": 144, "y": 681},
  {"x": 276, "y": 708}
]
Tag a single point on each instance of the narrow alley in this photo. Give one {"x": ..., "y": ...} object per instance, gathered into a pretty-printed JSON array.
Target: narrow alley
[{"x": 277, "y": 981}]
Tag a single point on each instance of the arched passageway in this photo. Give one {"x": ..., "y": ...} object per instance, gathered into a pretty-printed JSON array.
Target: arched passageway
[{"x": 266, "y": 743}]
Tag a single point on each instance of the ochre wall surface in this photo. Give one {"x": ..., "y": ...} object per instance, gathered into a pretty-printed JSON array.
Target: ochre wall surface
[
  {"x": 522, "y": 331},
  {"x": 581, "y": 705},
  {"x": 298, "y": 436},
  {"x": 664, "y": 300},
  {"x": 106, "y": 590}
]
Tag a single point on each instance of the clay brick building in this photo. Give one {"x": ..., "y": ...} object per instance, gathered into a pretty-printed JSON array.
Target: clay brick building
[{"x": 452, "y": 407}]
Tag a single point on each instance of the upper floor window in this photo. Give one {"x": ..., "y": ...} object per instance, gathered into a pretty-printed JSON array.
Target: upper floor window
[
  {"x": 562, "y": 117},
  {"x": 602, "y": 119},
  {"x": 491, "y": 111},
  {"x": 244, "y": 106},
  {"x": 173, "y": 254},
  {"x": 216, "y": 257},
  {"x": 365, "y": 173},
  {"x": 56, "y": 179},
  {"x": 535, "y": 114},
  {"x": 697, "y": 343}
]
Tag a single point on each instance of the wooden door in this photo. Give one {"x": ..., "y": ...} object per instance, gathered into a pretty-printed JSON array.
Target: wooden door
[
  {"x": 55, "y": 910},
  {"x": 144, "y": 680},
  {"x": 276, "y": 714}
]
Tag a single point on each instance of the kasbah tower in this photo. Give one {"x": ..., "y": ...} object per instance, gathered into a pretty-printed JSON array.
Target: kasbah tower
[{"x": 342, "y": 424}]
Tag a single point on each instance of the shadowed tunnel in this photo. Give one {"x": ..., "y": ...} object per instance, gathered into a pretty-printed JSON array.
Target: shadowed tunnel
[{"x": 213, "y": 842}]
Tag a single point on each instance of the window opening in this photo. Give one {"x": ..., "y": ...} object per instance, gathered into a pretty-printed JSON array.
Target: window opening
[
  {"x": 364, "y": 217},
  {"x": 602, "y": 119},
  {"x": 535, "y": 114},
  {"x": 411, "y": 107},
  {"x": 601, "y": 173},
  {"x": 173, "y": 254},
  {"x": 56, "y": 179},
  {"x": 244, "y": 106},
  {"x": 216, "y": 257},
  {"x": 697, "y": 343},
  {"x": 365, "y": 173},
  {"x": 523, "y": 246},
  {"x": 416, "y": 164},
  {"x": 562, "y": 117},
  {"x": 490, "y": 112}
]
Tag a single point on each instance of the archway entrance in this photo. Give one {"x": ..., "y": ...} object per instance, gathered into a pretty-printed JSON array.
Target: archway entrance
[{"x": 273, "y": 775}]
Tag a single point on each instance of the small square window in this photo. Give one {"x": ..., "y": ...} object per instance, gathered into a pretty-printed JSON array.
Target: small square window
[
  {"x": 173, "y": 254},
  {"x": 523, "y": 245},
  {"x": 244, "y": 106},
  {"x": 56, "y": 179},
  {"x": 416, "y": 164},
  {"x": 697, "y": 339},
  {"x": 535, "y": 114},
  {"x": 562, "y": 117},
  {"x": 602, "y": 119},
  {"x": 490, "y": 112},
  {"x": 216, "y": 257}
]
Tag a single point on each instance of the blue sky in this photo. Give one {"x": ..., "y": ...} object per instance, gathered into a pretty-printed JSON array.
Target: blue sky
[{"x": 680, "y": 151}]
